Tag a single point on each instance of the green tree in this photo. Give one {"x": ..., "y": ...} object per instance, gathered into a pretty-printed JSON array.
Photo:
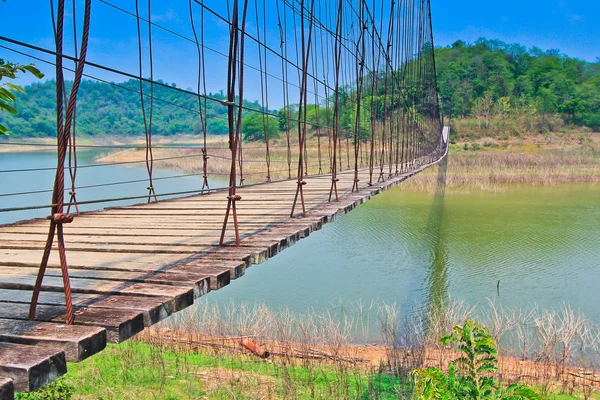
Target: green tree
[
  {"x": 10, "y": 70},
  {"x": 256, "y": 125}
]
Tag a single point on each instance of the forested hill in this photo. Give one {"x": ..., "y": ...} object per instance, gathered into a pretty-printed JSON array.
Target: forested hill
[
  {"x": 488, "y": 81},
  {"x": 104, "y": 108},
  {"x": 490, "y": 77}
]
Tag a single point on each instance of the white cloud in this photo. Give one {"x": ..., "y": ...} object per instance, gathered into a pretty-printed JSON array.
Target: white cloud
[{"x": 168, "y": 16}]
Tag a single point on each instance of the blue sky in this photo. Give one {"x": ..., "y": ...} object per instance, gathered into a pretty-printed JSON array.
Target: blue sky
[{"x": 571, "y": 26}]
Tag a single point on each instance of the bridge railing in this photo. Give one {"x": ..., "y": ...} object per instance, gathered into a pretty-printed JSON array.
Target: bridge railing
[{"x": 308, "y": 88}]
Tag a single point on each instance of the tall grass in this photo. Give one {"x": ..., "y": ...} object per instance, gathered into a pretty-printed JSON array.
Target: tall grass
[
  {"x": 202, "y": 354},
  {"x": 494, "y": 171}
]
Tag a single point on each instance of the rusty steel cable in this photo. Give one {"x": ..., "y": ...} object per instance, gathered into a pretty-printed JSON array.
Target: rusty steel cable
[
  {"x": 236, "y": 45},
  {"x": 58, "y": 218},
  {"x": 201, "y": 82},
  {"x": 376, "y": 72}
]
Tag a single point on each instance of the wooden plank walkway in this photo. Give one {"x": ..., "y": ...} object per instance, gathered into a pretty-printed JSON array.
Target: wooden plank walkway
[{"x": 132, "y": 267}]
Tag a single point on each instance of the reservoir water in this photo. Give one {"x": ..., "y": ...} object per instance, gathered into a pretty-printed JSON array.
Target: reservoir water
[{"x": 542, "y": 244}]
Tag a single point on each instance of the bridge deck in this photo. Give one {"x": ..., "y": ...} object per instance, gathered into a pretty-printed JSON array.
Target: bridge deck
[{"x": 131, "y": 267}]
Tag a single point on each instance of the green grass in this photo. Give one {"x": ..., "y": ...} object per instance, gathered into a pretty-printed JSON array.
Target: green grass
[{"x": 135, "y": 370}]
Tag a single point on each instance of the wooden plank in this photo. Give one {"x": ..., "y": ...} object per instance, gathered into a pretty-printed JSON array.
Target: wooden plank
[
  {"x": 140, "y": 262},
  {"x": 77, "y": 341},
  {"x": 31, "y": 367},
  {"x": 18, "y": 278},
  {"x": 133, "y": 266},
  {"x": 153, "y": 308},
  {"x": 7, "y": 389},
  {"x": 120, "y": 324},
  {"x": 6, "y": 246}
]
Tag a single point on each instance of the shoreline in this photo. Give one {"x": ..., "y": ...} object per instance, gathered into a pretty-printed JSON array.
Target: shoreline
[{"x": 486, "y": 164}]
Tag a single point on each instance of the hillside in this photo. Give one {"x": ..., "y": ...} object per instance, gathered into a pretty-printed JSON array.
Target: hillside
[
  {"x": 104, "y": 108},
  {"x": 508, "y": 88},
  {"x": 490, "y": 88}
]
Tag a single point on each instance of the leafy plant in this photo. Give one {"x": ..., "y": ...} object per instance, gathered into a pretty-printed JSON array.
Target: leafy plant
[
  {"x": 59, "y": 390},
  {"x": 7, "y": 98},
  {"x": 471, "y": 375}
]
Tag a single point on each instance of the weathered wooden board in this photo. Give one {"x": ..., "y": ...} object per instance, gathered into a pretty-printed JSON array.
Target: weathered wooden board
[
  {"x": 120, "y": 324},
  {"x": 133, "y": 266},
  {"x": 31, "y": 367},
  {"x": 154, "y": 309},
  {"x": 7, "y": 389},
  {"x": 77, "y": 341},
  {"x": 19, "y": 278}
]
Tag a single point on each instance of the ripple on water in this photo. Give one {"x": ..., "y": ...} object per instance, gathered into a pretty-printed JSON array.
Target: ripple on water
[{"x": 541, "y": 243}]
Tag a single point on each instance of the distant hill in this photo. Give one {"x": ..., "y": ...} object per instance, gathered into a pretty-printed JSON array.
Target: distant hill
[
  {"x": 104, "y": 108},
  {"x": 490, "y": 86},
  {"x": 490, "y": 78}
]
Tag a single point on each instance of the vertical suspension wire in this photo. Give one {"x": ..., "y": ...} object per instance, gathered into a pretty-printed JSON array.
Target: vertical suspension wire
[
  {"x": 235, "y": 66},
  {"x": 346, "y": 84},
  {"x": 147, "y": 123},
  {"x": 317, "y": 108},
  {"x": 201, "y": 84},
  {"x": 435, "y": 96},
  {"x": 360, "y": 69},
  {"x": 336, "y": 104},
  {"x": 149, "y": 151},
  {"x": 306, "y": 47},
  {"x": 63, "y": 129},
  {"x": 386, "y": 148},
  {"x": 397, "y": 114},
  {"x": 284, "y": 81},
  {"x": 392, "y": 109},
  {"x": 73, "y": 135},
  {"x": 372, "y": 104},
  {"x": 325, "y": 63},
  {"x": 401, "y": 83},
  {"x": 264, "y": 86},
  {"x": 239, "y": 141}
]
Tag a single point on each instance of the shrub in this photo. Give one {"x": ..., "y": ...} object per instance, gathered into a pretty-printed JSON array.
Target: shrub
[
  {"x": 58, "y": 390},
  {"x": 471, "y": 375}
]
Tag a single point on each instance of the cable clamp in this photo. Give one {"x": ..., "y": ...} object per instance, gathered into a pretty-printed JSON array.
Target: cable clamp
[{"x": 61, "y": 218}]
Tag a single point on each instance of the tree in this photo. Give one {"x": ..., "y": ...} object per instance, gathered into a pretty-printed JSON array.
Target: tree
[
  {"x": 256, "y": 125},
  {"x": 10, "y": 70}
]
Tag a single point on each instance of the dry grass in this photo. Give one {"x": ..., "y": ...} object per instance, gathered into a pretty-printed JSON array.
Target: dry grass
[
  {"x": 557, "y": 350},
  {"x": 254, "y": 158},
  {"x": 197, "y": 353},
  {"x": 496, "y": 163},
  {"x": 493, "y": 171}
]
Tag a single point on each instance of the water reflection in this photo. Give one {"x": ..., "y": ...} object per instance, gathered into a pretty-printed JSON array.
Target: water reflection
[{"x": 436, "y": 281}]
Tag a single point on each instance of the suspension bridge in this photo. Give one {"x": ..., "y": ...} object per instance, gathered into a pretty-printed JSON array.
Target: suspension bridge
[{"x": 359, "y": 112}]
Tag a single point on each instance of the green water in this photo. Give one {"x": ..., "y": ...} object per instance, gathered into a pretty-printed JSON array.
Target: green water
[{"x": 542, "y": 244}]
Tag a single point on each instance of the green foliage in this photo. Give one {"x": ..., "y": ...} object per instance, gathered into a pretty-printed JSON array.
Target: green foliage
[
  {"x": 58, "y": 390},
  {"x": 255, "y": 125},
  {"x": 111, "y": 109},
  {"x": 10, "y": 70},
  {"x": 493, "y": 79},
  {"x": 471, "y": 375}
]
